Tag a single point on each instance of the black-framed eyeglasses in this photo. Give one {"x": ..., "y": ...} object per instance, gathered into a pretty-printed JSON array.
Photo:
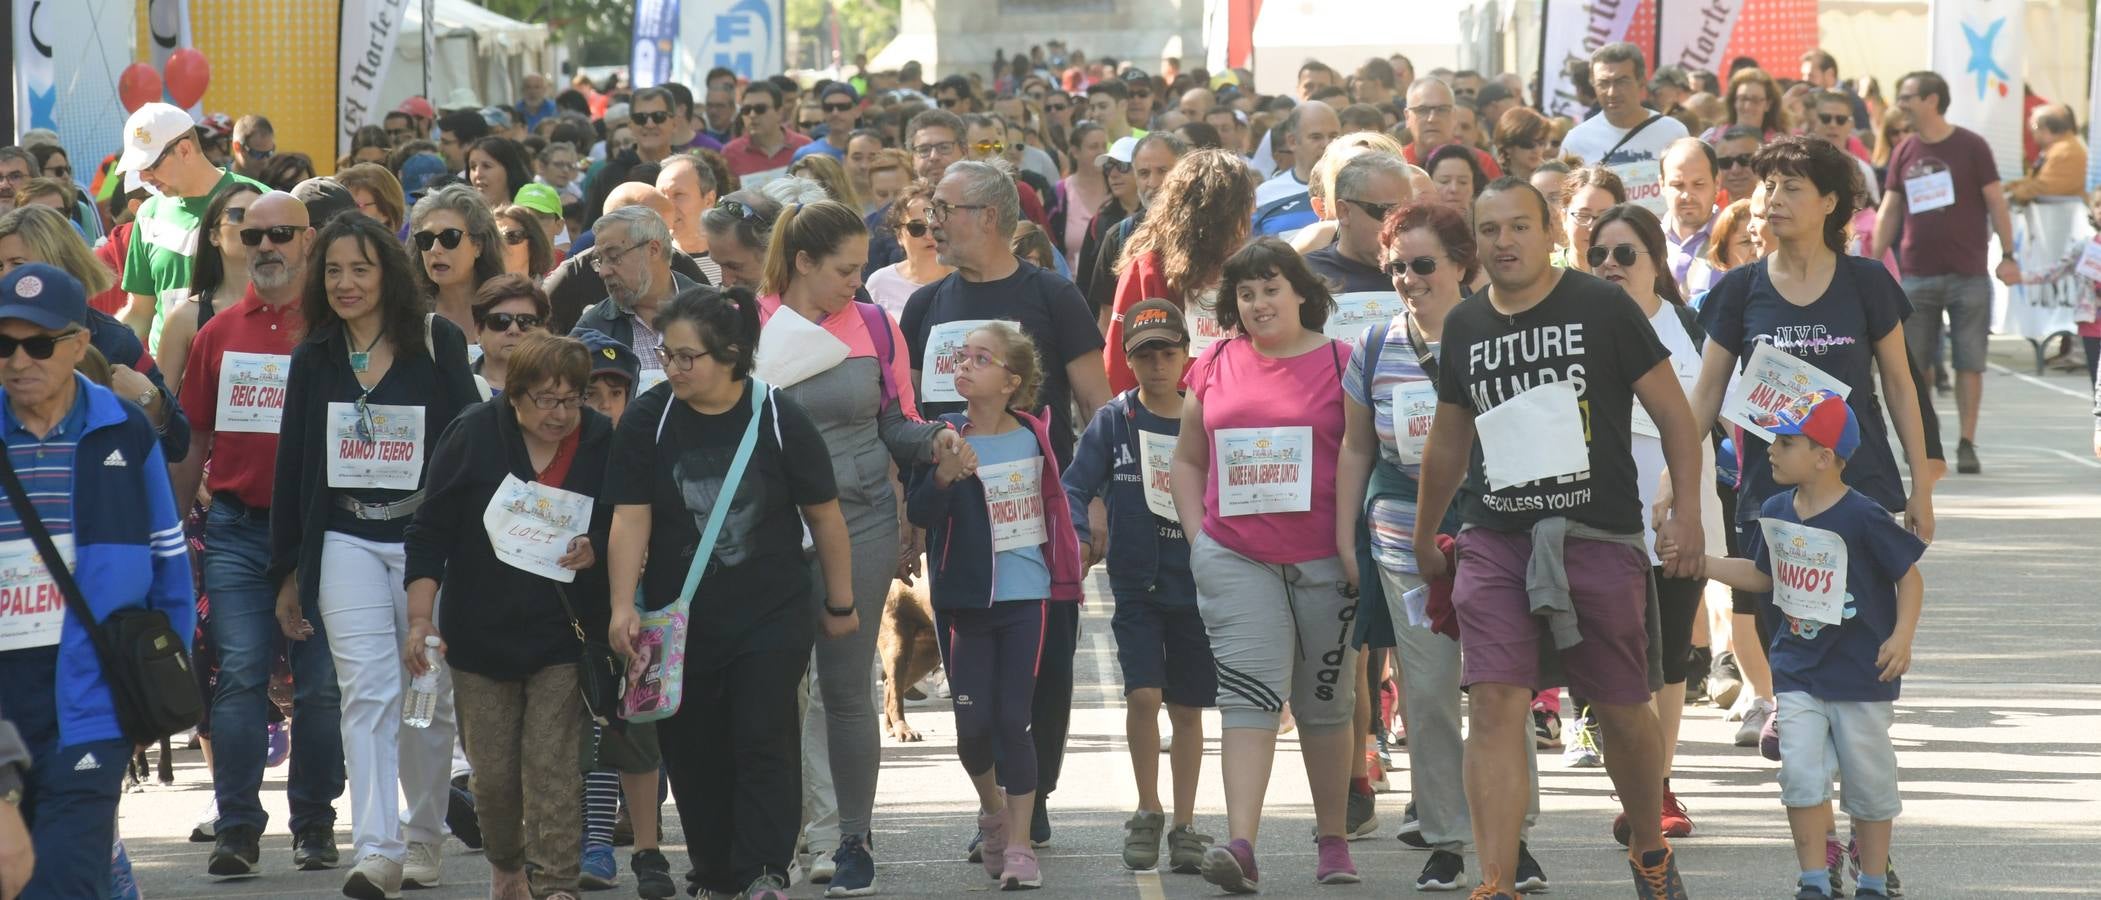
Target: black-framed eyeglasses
[
  {"x": 1377, "y": 211},
  {"x": 916, "y": 227},
  {"x": 756, "y": 109},
  {"x": 38, "y": 346},
  {"x": 1731, "y": 162},
  {"x": 278, "y": 234},
  {"x": 450, "y": 237},
  {"x": 1623, "y": 254},
  {"x": 935, "y": 148},
  {"x": 681, "y": 360},
  {"x": 838, "y": 107},
  {"x": 1839, "y": 119},
  {"x": 514, "y": 236},
  {"x": 503, "y": 321},
  {"x": 1422, "y": 265},
  {"x": 607, "y": 257},
  {"x": 654, "y": 117},
  {"x": 550, "y": 403},
  {"x": 939, "y": 210}
]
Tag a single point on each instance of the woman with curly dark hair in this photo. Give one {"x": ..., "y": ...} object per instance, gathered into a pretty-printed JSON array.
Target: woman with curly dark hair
[
  {"x": 373, "y": 382},
  {"x": 1199, "y": 218}
]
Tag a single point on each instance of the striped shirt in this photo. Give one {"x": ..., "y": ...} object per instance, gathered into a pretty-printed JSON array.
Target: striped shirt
[
  {"x": 45, "y": 466},
  {"x": 1392, "y": 521}
]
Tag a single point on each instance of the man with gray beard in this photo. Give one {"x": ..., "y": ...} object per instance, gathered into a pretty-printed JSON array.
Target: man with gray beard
[
  {"x": 233, "y": 392},
  {"x": 633, "y": 255}
]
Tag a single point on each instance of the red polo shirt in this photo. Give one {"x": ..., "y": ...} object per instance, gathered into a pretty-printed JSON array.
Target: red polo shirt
[
  {"x": 243, "y": 446},
  {"x": 745, "y": 159}
]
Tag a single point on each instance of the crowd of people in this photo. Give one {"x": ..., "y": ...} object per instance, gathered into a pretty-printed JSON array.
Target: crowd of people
[{"x": 1368, "y": 398}]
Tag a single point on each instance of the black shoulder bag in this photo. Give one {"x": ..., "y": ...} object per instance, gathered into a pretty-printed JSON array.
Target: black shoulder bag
[
  {"x": 600, "y": 676},
  {"x": 143, "y": 659}
]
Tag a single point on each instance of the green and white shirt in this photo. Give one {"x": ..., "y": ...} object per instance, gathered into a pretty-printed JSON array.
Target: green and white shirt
[{"x": 163, "y": 242}]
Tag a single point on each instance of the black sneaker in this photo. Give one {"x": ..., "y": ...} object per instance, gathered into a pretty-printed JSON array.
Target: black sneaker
[
  {"x": 1530, "y": 877},
  {"x": 1039, "y": 822},
  {"x": 235, "y": 852},
  {"x": 652, "y": 875},
  {"x": 314, "y": 848},
  {"x": 460, "y": 816},
  {"x": 1412, "y": 829},
  {"x": 1966, "y": 459},
  {"x": 1444, "y": 872}
]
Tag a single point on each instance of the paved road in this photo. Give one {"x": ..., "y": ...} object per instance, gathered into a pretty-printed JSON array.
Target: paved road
[{"x": 1997, "y": 734}]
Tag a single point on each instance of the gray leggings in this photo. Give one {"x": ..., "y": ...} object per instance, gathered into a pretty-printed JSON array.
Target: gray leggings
[
  {"x": 1277, "y": 632},
  {"x": 845, "y": 671}
]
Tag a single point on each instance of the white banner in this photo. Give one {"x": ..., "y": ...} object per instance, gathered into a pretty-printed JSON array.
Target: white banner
[
  {"x": 2093, "y": 118},
  {"x": 371, "y": 28},
  {"x": 1978, "y": 45},
  {"x": 66, "y": 61},
  {"x": 1695, "y": 35},
  {"x": 747, "y": 36},
  {"x": 169, "y": 22},
  {"x": 1573, "y": 30}
]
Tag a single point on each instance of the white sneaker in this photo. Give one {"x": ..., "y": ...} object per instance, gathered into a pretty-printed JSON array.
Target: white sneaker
[
  {"x": 374, "y": 877},
  {"x": 821, "y": 868},
  {"x": 1754, "y": 722},
  {"x": 421, "y": 867}
]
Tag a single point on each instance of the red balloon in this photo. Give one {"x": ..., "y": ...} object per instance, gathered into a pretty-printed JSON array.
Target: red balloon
[
  {"x": 138, "y": 86},
  {"x": 188, "y": 76}
]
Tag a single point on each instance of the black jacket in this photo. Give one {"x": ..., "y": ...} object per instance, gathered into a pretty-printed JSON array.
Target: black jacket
[
  {"x": 500, "y": 621},
  {"x": 301, "y": 498},
  {"x": 574, "y": 285}
]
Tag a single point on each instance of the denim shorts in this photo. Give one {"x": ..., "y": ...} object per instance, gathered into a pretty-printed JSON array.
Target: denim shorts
[{"x": 1844, "y": 739}]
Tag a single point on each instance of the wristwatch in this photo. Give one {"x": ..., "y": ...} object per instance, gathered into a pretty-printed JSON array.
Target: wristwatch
[
  {"x": 145, "y": 397},
  {"x": 11, "y": 784},
  {"x": 839, "y": 613}
]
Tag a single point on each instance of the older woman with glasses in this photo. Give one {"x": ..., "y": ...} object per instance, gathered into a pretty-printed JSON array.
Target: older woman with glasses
[
  {"x": 454, "y": 248},
  {"x": 516, "y": 608},
  {"x": 372, "y": 384},
  {"x": 893, "y": 284},
  {"x": 506, "y": 310}
]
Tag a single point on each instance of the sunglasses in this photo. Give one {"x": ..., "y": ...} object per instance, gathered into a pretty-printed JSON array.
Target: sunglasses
[
  {"x": 737, "y": 209},
  {"x": 278, "y": 234},
  {"x": 504, "y": 321},
  {"x": 756, "y": 109},
  {"x": 916, "y": 228},
  {"x": 234, "y": 214},
  {"x": 514, "y": 237},
  {"x": 1115, "y": 165},
  {"x": 1840, "y": 119},
  {"x": 1623, "y": 254},
  {"x": 838, "y": 107},
  {"x": 39, "y": 347},
  {"x": 1423, "y": 265},
  {"x": 1731, "y": 162},
  {"x": 987, "y": 147},
  {"x": 450, "y": 237},
  {"x": 651, "y": 118},
  {"x": 1376, "y": 210}
]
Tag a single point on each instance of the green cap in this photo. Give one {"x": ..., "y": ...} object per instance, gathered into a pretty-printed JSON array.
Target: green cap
[{"x": 540, "y": 199}]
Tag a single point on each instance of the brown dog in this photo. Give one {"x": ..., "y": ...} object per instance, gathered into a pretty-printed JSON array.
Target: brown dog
[{"x": 908, "y": 650}]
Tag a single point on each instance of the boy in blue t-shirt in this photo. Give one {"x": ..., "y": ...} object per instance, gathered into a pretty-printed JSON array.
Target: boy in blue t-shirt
[
  {"x": 1845, "y": 599},
  {"x": 1160, "y": 642}
]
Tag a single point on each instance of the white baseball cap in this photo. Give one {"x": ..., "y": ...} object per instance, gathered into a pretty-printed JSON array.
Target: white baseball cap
[
  {"x": 149, "y": 131},
  {"x": 1121, "y": 151}
]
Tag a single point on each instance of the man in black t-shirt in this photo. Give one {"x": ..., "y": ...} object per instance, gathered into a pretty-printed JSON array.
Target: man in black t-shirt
[
  {"x": 974, "y": 213},
  {"x": 1544, "y": 366}
]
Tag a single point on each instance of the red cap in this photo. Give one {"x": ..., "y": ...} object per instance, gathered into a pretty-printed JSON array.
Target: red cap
[{"x": 418, "y": 107}]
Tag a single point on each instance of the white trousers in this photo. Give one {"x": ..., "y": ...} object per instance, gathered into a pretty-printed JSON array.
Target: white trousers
[{"x": 365, "y": 609}]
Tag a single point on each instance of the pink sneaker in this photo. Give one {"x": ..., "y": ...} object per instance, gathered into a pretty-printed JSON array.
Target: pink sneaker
[
  {"x": 1335, "y": 866},
  {"x": 1232, "y": 868},
  {"x": 992, "y": 842},
  {"x": 1022, "y": 873},
  {"x": 1769, "y": 738}
]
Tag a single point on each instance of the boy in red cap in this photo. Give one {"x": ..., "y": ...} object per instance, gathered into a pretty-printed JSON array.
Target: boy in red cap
[{"x": 1845, "y": 598}]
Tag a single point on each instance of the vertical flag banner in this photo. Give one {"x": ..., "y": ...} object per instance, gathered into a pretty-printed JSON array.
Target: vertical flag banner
[
  {"x": 746, "y": 36},
  {"x": 1696, "y": 35},
  {"x": 168, "y": 30},
  {"x": 656, "y": 37},
  {"x": 371, "y": 30},
  {"x": 1978, "y": 46},
  {"x": 67, "y": 54},
  {"x": 1572, "y": 30},
  {"x": 2093, "y": 117}
]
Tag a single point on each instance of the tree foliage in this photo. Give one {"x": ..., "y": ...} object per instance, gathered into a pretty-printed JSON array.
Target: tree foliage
[{"x": 596, "y": 31}]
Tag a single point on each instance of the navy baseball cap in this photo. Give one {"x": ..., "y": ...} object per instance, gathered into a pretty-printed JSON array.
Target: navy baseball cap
[
  {"x": 418, "y": 171},
  {"x": 45, "y": 296},
  {"x": 609, "y": 355}
]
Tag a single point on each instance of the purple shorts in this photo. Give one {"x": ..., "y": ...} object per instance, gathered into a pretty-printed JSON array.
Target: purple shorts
[{"x": 1500, "y": 638}]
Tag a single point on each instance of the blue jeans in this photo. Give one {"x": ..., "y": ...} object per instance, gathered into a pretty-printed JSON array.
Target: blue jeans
[
  {"x": 69, "y": 795},
  {"x": 244, "y": 630}
]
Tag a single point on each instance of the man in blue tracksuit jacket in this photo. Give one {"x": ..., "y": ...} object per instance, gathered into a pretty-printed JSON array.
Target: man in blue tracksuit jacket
[{"x": 91, "y": 465}]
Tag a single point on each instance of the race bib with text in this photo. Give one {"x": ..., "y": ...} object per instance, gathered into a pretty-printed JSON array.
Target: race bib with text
[
  {"x": 1014, "y": 500},
  {"x": 251, "y": 391},
  {"x": 1264, "y": 470},
  {"x": 378, "y": 448}
]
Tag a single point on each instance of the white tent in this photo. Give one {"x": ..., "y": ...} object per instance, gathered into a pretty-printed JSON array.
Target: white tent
[{"x": 474, "y": 52}]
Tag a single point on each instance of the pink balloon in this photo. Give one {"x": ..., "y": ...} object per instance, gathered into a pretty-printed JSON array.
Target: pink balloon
[
  {"x": 137, "y": 86},
  {"x": 188, "y": 76}
]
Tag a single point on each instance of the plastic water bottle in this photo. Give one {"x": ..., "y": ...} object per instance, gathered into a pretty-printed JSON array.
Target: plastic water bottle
[{"x": 422, "y": 701}]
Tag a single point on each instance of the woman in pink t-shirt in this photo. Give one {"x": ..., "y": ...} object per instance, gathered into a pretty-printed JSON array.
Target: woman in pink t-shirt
[{"x": 1254, "y": 485}]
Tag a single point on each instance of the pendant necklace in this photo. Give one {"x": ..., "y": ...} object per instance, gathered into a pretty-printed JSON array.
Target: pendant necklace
[{"x": 360, "y": 360}]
